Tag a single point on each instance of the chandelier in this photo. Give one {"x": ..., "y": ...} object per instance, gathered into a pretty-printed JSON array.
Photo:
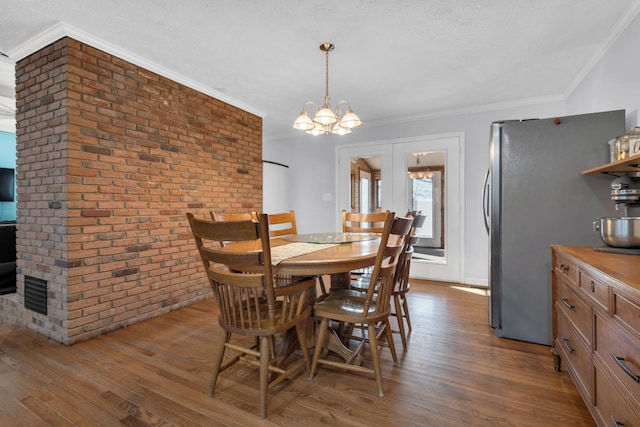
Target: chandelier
[
  {"x": 420, "y": 174},
  {"x": 325, "y": 120}
]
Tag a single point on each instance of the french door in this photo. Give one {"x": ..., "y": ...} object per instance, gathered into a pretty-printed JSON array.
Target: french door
[{"x": 419, "y": 174}]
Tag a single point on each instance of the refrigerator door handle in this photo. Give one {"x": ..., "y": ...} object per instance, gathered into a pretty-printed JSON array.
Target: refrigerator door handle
[{"x": 485, "y": 201}]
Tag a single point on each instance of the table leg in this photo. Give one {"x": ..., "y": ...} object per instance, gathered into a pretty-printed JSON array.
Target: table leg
[
  {"x": 340, "y": 281},
  {"x": 335, "y": 345}
]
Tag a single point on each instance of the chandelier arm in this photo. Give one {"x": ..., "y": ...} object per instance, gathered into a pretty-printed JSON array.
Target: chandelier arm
[
  {"x": 304, "y": 107},
  {"x": 338, "y": 111}
]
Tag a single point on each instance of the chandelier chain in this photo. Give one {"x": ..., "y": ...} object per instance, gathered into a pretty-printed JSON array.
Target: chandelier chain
[{"x": 326, "y": 73}]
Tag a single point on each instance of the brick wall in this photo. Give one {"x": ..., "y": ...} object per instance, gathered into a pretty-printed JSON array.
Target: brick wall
[{"x": 110, "y": 158}]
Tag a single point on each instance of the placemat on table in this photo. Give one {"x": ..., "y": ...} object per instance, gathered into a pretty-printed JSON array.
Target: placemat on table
[{"x": 280, "y": 253}]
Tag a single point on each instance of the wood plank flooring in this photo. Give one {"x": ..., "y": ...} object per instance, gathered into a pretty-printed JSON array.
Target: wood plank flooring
[{"x": 156, "y": 373}]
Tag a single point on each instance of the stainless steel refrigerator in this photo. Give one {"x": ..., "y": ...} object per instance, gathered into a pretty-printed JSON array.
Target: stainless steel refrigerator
[{"x": 535, "y": 196}]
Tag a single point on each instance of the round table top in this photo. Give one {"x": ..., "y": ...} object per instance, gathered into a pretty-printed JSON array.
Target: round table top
[{"x": 334, "y": 259}]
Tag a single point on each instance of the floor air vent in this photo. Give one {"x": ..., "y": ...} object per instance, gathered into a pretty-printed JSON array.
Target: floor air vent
[{"x": 35, "y": 294}]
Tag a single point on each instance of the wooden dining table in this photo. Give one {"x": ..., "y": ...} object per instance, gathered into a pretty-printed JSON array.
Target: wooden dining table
[{"x": 319, "y": 254}]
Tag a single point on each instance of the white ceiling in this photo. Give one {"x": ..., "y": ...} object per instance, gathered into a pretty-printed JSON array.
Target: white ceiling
[{"x": 393, "y": 59}]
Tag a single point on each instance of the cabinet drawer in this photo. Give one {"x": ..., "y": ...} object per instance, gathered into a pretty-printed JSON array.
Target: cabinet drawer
[
  {"x": 565, "y": 267},
  {"x": 595, "y": 289},
  {"x": 575, "y": 310},
  {"x": 575, "y": 354},
  {"x": 620, "y": 352},
  {"x": 610, "y": 406},
  {"x": 627, "y": 310}
]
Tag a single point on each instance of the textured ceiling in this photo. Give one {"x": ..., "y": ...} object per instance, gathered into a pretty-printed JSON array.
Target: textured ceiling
[{"x": 393, "y": 59}]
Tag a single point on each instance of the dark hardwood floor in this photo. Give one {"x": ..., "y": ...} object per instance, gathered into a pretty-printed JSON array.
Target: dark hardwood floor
[{"x": 156, "y": 373}]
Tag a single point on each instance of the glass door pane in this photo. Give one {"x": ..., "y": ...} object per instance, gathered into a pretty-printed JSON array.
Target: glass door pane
[
  {"x": 422, "y": 196},
  {"x": 366, "y": 182},
  {"x": 425, "y": 171}
]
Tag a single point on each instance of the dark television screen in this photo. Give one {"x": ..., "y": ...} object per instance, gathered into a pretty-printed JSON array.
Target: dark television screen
[{"x": 6, "y": 185}]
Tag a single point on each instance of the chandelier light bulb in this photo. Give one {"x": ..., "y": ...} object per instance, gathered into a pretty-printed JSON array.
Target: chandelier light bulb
[
  {"x": 338, "y": 129},
  {"x": 317, "y": 129},
  {"x": 350, "y": 120},
  {"x": 303, "y": 122},
  {"x": 325, "y": 116}
]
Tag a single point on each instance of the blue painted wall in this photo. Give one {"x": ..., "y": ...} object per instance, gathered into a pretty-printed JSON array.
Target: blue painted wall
[{"x": 7, "y": 160}]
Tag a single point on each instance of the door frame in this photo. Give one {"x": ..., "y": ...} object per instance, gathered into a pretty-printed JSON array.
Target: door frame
[{"x": 393, "y": 155}]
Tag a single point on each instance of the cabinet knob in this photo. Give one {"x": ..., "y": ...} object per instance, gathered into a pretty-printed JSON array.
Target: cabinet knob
[
  {"x": 621, "y": 363},
  {"x": 567, "y": 345},
  {"x": 616, "y": 422},
  {"x": 568, "y": 304}
]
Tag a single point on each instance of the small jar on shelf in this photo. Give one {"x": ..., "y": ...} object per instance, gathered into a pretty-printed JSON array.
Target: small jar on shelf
[{"x": 628, "y": 145}]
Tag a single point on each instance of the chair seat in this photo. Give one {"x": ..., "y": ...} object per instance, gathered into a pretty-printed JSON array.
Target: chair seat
[
  {"x": 347, "y": 306},
  {"x": 350, "y": 293}
]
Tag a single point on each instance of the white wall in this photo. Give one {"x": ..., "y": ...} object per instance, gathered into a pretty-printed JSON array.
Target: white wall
[
  {"x": 311, "y": 175},
  {"x": 613, "y": 84},
  {"x": 275, "y": 187}
]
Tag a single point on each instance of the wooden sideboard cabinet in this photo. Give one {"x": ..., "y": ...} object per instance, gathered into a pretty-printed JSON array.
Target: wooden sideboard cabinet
[{"x": 596, "y": 329}]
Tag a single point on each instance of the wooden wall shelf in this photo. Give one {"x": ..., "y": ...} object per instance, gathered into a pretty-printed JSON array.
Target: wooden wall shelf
[{"x": 632, "y": 164}]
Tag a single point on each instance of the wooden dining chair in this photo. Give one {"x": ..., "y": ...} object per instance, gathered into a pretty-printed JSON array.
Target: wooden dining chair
[
  {"x": 361, "y": 283},
  {"x": 370, "y": 309},
  {"x": 252, "y": 302},
  {"x": 400, "y": 309},
  {"x": 356, "y": 222},
  {"x": 285, "y": 224}
]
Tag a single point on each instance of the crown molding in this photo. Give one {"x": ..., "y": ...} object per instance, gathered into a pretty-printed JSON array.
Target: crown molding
[{"x": 60, "y": 30}]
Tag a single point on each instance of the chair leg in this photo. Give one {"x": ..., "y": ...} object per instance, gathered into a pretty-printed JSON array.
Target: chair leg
[
  {"x": 375, "y": 356},
  {"x": 304, "y": 345},
  {"x": 322, "y": 335},
  {"x": 400, "y": 320},
  {"x": 392, "y": 346},
  {"x": 265, "y": 357},
  {"x": 406, "y": 311},
  {"x": 224, "y": 339}
]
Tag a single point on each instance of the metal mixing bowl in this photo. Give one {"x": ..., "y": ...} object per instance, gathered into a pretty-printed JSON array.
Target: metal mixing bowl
[{"x": 620, "y": 232}]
